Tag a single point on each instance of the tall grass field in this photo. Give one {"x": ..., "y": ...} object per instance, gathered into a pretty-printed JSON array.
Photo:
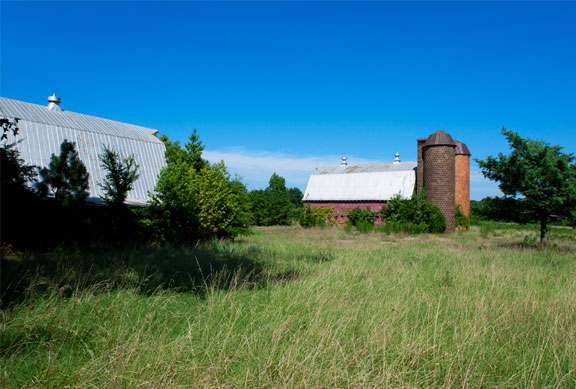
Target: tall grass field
[{"x": 292, "y": 307}]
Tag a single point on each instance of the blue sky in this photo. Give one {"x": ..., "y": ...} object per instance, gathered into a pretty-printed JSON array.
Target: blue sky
[{"x": 288, "y": 86}]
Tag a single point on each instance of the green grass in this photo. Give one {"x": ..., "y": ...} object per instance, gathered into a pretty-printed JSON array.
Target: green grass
[{"x": 292, "y": 307}]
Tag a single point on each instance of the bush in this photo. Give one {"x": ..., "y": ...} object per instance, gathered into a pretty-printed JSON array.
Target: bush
[
  {"x": 306, "y": 218},
  {"x": 194, "y": 200},
  {"x": 436, "y": 221},
  {"x": 317, "y": 216},
  {"x": 413, "y": 215},
  {"x": 362, "y": 219},
  {"x": 461, "y": 219}
]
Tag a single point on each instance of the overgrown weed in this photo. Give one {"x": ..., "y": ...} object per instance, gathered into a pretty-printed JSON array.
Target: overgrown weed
[{"x": 345, "y": 311}]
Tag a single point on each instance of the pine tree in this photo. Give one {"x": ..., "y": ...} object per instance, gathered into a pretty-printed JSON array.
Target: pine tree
[
  {"x": 66, "y": 176},
  {"x": 121, "y": 175}
]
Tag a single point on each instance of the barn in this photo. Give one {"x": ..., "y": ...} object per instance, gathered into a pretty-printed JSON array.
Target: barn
[
  {"x": 346, "y": 187},
  {"x": 43, "y": 128},
  {"x": 442, "y": 170}
]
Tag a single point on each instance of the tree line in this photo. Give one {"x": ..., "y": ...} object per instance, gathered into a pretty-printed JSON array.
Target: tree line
[
  {"x": 193, "y": 200},
  {"x": 197, "y": 200}
]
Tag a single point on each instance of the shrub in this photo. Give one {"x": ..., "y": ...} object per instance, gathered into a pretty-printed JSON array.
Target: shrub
[
  {"x": 437, "y": 220},
  {"x": 362, "y": 219},
  {"x": 461, "y": 219},
  {"x": 194, "y": 199},
  {"x": 317, "y": 216},
  {"x": 416, "y": 211},
  {"x": 306, "y": 218}
]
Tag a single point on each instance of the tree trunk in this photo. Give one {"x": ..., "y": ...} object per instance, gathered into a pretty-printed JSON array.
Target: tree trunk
[{"x": 543, "y": 231}]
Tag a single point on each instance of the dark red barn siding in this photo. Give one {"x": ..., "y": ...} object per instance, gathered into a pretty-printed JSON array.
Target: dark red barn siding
[{"x": 342, "y": 207}]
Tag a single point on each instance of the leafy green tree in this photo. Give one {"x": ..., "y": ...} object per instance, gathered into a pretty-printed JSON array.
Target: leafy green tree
[
  {"x": 295, "y": 196},
  {"x": 217, "y": 203},
  {"x": 194, "y": 199},
  {"x": 15, "y": 173},
  {"x": 259, "y": 207},
  {"x": 541, "y": 174},
  {"x": 505, "y": 209},
  {"x": 9, "y": 126},
  {"x": 280, "y": 208},
  {"x": 121, "y": 174},
  {"x": 66, "y": 176},
  {"x": 243, "y": 219},
  {"x": 191, "y": 153},
  {"x": 273, "y": 205}
]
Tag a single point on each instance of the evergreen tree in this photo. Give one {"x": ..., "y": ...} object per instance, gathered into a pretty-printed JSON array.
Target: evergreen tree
[
  {"x": 280, "y": 208},
  {"x": 66, "y": 176},
  {"x": 295, "y": 196},
  {"x": 190, "y": 154},
  {"x": 273, "y": 206},
  {"x": 121, "y": 174}
]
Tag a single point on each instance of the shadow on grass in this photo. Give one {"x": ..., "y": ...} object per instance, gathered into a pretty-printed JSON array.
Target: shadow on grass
[{"x": 185, "y": 269}]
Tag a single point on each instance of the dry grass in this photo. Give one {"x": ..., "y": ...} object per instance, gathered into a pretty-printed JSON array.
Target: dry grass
[{"x": 472, "y": 309}]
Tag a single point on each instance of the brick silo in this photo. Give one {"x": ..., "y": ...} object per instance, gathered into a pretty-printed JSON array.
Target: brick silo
[
  {"x": 462, "y": 174},
  {"x": 438, "y": 155},
  {"x": 420, "y": 166}
]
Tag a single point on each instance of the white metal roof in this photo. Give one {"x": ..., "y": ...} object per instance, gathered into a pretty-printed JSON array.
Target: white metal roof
[
  {"x": 371, "y": 182},
  {"x": 41, "y": 132},
  {"x": 77, "y": 121}
]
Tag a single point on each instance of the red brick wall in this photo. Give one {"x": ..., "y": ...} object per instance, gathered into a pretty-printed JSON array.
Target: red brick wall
[
  {"x": 420, "y": 167},
  {"x": 462, "y": 184},
  {"x": 342, "y": 208},
  {"x": 439, "y": 177}
]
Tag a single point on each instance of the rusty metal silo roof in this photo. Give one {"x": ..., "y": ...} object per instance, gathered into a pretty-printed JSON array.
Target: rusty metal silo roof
[
  {"x": 461, "y": 148},
  {"x": 439, "y": 138}
]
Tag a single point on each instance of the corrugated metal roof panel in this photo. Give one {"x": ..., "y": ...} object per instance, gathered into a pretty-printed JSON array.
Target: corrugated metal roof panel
[
  {"x": 38, "y": 140},
  {"x": 376, "y": 182},
  {"x": 41, "y": 114},
  {"x": 367, "y": 168}
]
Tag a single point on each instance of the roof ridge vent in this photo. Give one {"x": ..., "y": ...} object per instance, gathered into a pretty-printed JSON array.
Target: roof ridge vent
[
  {"x": 54, "y": 103},
  {"x": 397, "y": 157},
  {"x": 344, "y": 161}
]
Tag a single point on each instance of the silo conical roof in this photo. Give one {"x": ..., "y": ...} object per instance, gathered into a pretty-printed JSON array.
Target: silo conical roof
[
  {"x": 461, "y": 148},
  {"x": 439, "y": 138}
]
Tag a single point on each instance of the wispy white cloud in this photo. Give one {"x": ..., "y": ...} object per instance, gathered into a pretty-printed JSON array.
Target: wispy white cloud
[
  {"x": 481, "y": 187},
  {"x": 256, "y": 166},
  {"x": 477, "y": 177}
]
